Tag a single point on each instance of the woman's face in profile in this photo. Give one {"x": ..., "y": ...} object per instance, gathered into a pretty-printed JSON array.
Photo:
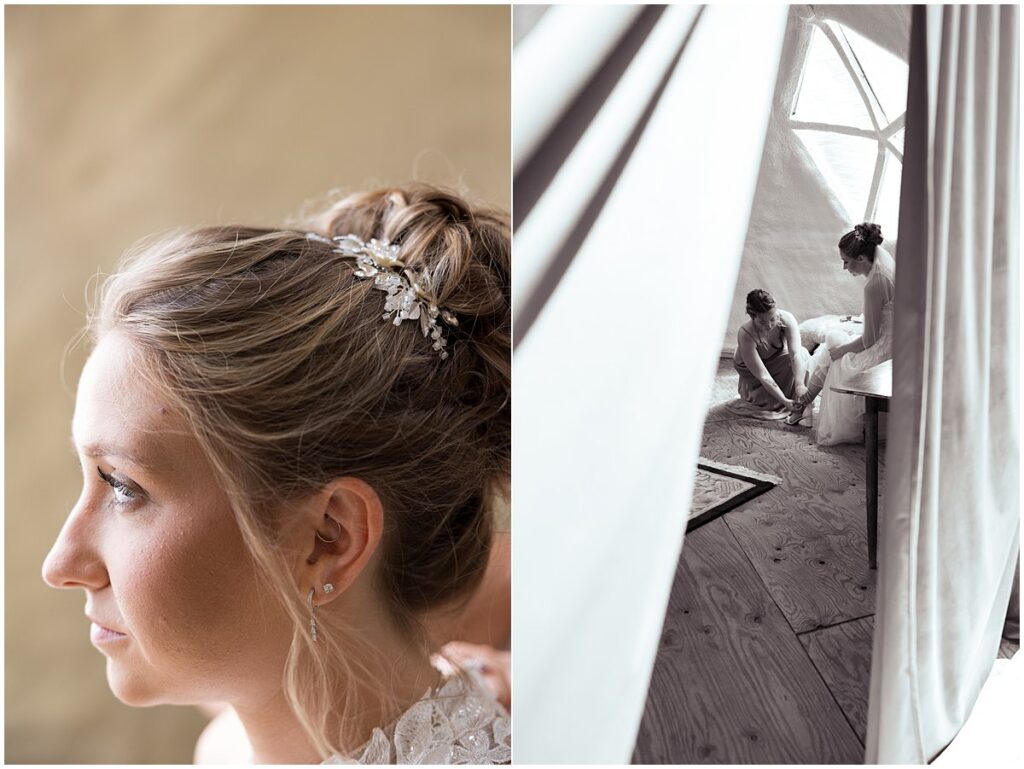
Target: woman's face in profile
[
  {"x": 855, "y": 265},
  {"x": 169, "y": 586}
]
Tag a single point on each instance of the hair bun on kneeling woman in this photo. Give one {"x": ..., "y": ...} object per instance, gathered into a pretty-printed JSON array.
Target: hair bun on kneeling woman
[{"x": 759, "y": 301}]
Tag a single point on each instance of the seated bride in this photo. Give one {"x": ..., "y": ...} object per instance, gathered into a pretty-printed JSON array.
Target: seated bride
[{"x": 840, "y": 416}]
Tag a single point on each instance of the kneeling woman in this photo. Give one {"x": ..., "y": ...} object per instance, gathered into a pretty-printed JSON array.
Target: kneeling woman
[{"x": 771, "y": 362}]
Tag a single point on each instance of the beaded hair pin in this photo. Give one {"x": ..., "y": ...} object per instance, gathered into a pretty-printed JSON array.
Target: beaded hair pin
[{"x": 407, "y": 299}]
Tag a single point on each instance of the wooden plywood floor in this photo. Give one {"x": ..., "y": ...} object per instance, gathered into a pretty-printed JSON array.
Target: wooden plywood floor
[{"x": 766, "y": 648}]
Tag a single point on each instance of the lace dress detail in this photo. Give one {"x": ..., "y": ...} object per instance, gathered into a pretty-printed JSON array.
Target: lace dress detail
[{"x": 459, "y": 723}]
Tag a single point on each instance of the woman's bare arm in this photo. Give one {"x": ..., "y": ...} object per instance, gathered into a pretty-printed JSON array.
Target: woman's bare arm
[
  {"x": 874, "y": 300},
  {"x": 798, "y": 362},
  {"x": 748, "y": 351}
]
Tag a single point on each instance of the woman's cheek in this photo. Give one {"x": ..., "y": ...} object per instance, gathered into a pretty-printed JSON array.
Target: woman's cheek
[{"x": 174, "y": 595}]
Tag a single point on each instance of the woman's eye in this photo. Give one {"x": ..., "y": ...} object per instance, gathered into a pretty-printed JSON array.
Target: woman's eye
[{"x": 122, "y": 493}]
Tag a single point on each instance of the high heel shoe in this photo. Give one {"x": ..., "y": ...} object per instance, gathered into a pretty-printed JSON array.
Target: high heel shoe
[{"x": 804, "y": 405}]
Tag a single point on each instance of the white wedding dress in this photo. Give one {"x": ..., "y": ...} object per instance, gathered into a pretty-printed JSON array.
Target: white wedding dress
[
  {"x": 458, "y": 723},
  {"x": 840, "y": 417}
]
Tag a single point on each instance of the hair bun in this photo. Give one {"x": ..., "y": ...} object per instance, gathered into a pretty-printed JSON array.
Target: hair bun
[
  {"x": 759, "y": 301},
  {"x": 461, "y": 251},
  {"x": 462, "y": 256},
  {"x": 454, "y": 415},
  {"x": 869, "y": 233}
]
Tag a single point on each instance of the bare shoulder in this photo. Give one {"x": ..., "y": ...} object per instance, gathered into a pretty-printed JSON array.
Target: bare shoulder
[
  {"x": 789, "y": 319},
  {"x": 223, "y": 741}
]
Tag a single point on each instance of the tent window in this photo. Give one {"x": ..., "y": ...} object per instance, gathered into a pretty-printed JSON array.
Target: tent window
[{"x": 848, "y": 112}]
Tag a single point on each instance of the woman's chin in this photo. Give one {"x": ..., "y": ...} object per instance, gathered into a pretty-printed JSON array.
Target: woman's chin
[
  {"x": 143, "y": 689},
  {"x": 131, "y": 688}
]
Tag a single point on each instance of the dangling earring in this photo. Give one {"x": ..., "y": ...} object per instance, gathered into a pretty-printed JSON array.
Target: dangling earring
[{"x": 312, "y": 614}]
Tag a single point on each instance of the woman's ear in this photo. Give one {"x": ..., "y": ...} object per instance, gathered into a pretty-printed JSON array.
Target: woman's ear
[{"x": 340, "y": 532}]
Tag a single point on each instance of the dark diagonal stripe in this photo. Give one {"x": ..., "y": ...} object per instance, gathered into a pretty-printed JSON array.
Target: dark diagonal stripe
[
  {"x": 535, "y": 176},
  {"x": 556, "y": 268}
]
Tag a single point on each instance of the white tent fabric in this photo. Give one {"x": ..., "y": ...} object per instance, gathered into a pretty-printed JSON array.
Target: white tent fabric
[
  {"x": 611, "y": 382},
  {"x": 579, "y": 38},
  {"x": 950, "y": 532},
  {"x": 548, "y": 225},
  {"x": 798, "y": 216},
  {"x": 991, "y": 736}
]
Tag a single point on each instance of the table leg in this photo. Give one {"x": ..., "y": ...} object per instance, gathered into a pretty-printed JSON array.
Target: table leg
[{"x": 871, "y": 461}]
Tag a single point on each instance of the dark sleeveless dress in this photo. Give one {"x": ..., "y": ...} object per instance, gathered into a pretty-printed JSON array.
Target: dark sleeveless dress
[{"x": 779, "y": 364}]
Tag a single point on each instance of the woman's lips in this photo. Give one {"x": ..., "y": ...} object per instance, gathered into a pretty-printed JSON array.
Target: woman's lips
[{"x": 99, "y": 634}]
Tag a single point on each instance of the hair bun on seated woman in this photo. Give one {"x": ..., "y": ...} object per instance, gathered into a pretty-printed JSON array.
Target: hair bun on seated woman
[
  {"x": 861, "y": 241},
  {"x": 869, "y": 233}
]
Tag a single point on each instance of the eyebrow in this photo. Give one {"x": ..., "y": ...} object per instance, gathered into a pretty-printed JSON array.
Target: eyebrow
[{"x": 97, "y": 450}]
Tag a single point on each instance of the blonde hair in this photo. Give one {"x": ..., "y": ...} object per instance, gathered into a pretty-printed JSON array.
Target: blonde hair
[{"x": 288, "y": 376}]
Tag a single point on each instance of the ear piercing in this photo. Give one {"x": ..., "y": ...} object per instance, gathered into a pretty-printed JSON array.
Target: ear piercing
[
  {"x": 322, "y": 538},
  {"x": 328, "y": 588},
  {"x": 312, "y": 614}
]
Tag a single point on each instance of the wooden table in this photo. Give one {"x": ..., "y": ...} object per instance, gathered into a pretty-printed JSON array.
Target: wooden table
[{"x": 875, "y": 386}]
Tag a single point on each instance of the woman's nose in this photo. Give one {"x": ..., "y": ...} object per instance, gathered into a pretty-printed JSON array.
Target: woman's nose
[{"x": 74, "y": 560}]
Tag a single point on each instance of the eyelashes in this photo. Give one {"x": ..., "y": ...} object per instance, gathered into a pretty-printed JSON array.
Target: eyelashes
[{"x": 123, "y": 493}]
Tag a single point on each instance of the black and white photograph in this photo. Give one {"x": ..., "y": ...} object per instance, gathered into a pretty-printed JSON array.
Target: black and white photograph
[{"x": 766, "y": 308}]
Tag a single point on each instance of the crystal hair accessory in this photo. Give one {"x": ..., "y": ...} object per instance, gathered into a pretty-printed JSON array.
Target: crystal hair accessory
[{"x": 407, "y": 299}]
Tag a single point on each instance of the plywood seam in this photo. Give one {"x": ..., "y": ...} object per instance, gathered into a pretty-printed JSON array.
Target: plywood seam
[
  {"x": 836, "y": 624},
  {"x": 767, "y": 590},
  {"x": 771, "y": 596},
  {"x": 831, "y": 693}
]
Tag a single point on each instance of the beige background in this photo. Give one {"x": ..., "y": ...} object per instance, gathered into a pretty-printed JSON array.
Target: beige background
[{"x": 126, "y": 120}]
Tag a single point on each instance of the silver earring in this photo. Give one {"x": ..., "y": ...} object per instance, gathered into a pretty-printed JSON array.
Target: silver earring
[
  {"x": 312, "y": 614},
  {"x": 322, "y": 538},
  {"x": 328, "y": 587}
]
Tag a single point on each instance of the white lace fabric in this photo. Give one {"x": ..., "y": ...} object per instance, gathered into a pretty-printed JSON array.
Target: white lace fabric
[{"x": 459, "y": 723}]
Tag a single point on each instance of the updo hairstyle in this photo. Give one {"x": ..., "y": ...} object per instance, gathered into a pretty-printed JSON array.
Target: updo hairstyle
[
  {"x": 759, "y": 301},
  {"x": 283, "y": 367},
  {"x": 861, "y": 241}
]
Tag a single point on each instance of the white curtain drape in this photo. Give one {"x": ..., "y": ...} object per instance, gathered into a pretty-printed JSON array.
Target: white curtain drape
[
  {"x": 612, "y": 378},
  {"x": 951, "y": 523},
  {"x": 564, "y": 200},
  {"x": 581, "y": 39}
]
